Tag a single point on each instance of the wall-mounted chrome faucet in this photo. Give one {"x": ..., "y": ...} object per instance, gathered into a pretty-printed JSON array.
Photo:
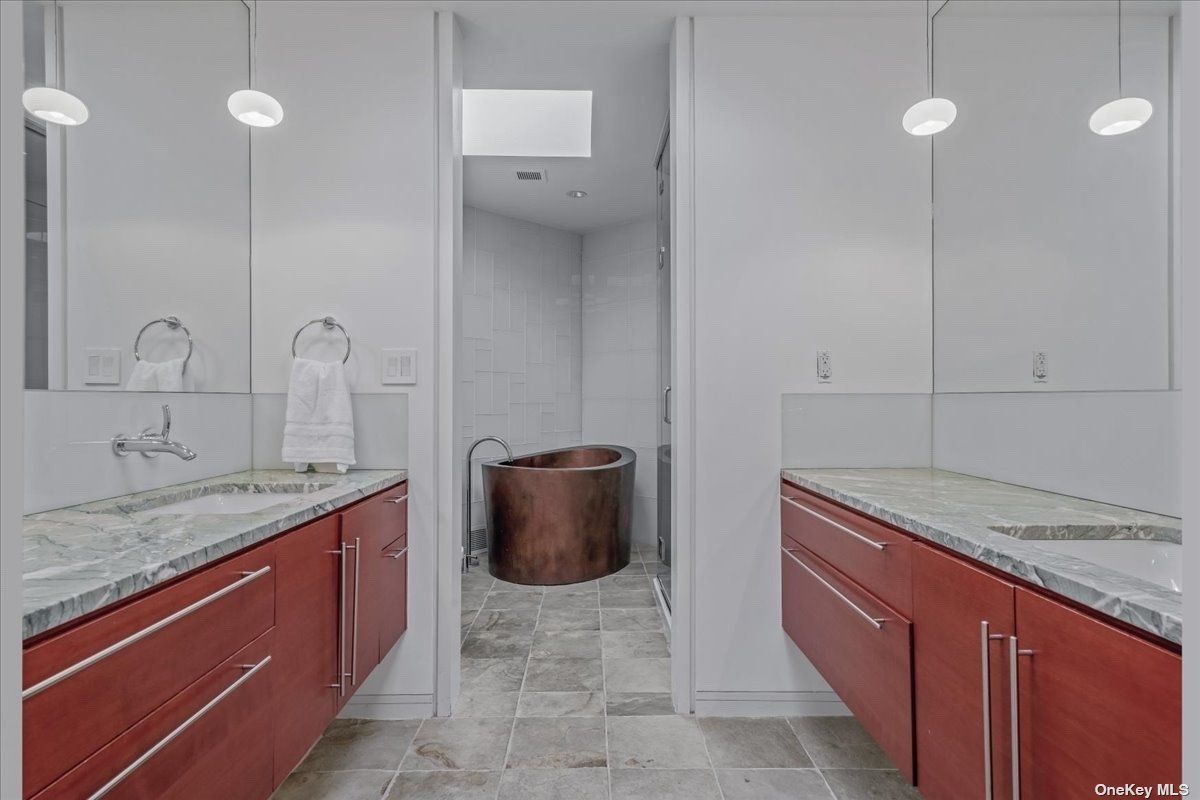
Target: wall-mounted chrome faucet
[{"x": 150, "y": 444}]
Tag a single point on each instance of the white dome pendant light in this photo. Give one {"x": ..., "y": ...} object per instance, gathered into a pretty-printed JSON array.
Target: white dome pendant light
[
  {"x": 55, "y": 105},
  {"x": 1124, "y": 114},
  {"x": 933, "y": 114},
  {"x": 250, "y": 106}
]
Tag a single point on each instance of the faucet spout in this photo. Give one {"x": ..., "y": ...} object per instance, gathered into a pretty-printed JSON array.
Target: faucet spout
[{"x": 150, "y": 444}]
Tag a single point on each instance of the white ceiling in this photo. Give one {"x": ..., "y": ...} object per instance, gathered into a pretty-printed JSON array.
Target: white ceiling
[{"x": 622, "y": 58}]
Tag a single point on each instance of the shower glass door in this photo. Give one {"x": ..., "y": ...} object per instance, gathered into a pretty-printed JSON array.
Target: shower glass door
[{"x": 663, "y": 572}]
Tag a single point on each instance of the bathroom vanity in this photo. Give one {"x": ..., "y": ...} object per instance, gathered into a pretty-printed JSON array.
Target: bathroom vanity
[
  {"x": 195, "y": 641},
  {"x": 980, "y": 652}
]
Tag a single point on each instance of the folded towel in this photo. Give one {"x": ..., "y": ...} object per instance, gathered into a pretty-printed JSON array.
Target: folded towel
[
  {"x": 156, "y": 376},
  {"x": 319, "y": 424}
]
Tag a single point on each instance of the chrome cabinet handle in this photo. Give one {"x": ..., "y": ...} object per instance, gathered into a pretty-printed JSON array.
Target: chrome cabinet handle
[
  {"x": 1013, "y": 703},
  {"x": 341, "y": 665},
  {"x": 354, "y": 633},
  {"x": 397, "y": 554},
  {"x": 838, "y": 525},
  {"x": 396, "y": 500},
  {"x": 133, "y": 638},
  {"x": 667, "y": 405},
  {"x": 250, "y": 670},
  {"x": 985, "y": 639},
  {"x": 872, "y": 621}
]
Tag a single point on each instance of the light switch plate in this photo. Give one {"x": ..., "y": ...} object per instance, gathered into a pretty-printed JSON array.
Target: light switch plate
[
  {"x": 398, "y": 365},
  {"x": 102, "y": 365},
  {"x": 824, "y": 367}
]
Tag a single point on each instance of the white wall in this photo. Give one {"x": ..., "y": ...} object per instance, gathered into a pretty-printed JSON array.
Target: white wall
[
  {"x": 621, "y": 400},
  {"x": 521, "y": 338},
  {"x": 1049, "y": 237},
  {"x": 857, "y": 430},
  {"x": 12, "y": 296},
  {"x": 157, "y": 188},
  {"x": 344, "y": 210},
  {"x": 811, "y": 232}
]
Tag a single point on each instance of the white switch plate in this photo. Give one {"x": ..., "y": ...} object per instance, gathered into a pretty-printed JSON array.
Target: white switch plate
[
  {"x": 824, "y": 367},
  {"x": 102, "y": 365},
  {"x": 398, "y": 365},
  {"x": 1041, "y": 367}
]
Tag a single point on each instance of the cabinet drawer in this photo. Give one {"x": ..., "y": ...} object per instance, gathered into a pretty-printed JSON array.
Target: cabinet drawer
[
  {"x": 859, "y": 645},
  {"x": 393, "y": 590},
  {"x": 210, "y": 742},
  {"x": 381, "y": 519},
  {"x": 88, "y": 685},
  {"x": 871, "y": 554}
]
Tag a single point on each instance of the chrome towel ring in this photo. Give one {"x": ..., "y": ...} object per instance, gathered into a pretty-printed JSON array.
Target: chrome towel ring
[
  {"x": 329, "y": 323},
  {"x": 171, "y": 322}
]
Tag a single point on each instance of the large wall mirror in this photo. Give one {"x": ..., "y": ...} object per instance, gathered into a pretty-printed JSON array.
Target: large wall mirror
[
  {"x": 1049, "y": 238},
  {"x": 138, "y": 220}
]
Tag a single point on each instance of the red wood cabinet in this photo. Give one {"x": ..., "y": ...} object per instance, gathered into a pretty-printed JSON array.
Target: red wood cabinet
[
  {"x": 1096, "y": 704},
  {"x": 962, "y": 620},
  {"x": 217, "y": 684},
  {"x": 124, "y": 664},
  {"x": 212, "y": 741},
  {"x": 858, "y": 644},
  {"x": 308, "y": 563}
]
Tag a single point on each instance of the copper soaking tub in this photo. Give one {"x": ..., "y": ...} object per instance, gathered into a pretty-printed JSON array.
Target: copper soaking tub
[{"x": 559, "y": 516}]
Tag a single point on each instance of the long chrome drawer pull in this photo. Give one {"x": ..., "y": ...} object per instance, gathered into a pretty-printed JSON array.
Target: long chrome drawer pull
[
  {"x": 398, "y": 553},
  {"x": 1014, "y": 721},
  {"x": 187, "y": 723},
  {"x": 342, "y": 674},
  {"x": 985, "y": 639},
  {"x": 116, "y": 647},
  {"x": 838, "y": 525},
  {"x": 874, "y": 622},
  {"x": 354, "y": 633},
  {"x": 396, "y": 500}
]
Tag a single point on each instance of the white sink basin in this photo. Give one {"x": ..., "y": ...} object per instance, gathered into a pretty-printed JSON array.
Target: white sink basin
[
  {"x": 1157, "y": 562},
  {"x": 226, "y": 503}
]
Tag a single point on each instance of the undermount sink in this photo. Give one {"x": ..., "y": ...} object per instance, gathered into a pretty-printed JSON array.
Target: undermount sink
[
  {"x": 1158, "y": 562},
  {"x": 226, "y": 503}
]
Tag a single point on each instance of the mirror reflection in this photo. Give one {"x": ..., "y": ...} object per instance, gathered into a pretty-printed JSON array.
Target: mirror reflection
[{"x": 138, "y": 246}]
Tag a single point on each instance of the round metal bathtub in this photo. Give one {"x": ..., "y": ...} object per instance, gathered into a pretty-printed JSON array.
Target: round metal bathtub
[{"x": 559, "y": 516}]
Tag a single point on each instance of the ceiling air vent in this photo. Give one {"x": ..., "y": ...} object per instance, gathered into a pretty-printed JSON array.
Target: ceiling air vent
[{"x": 531, "y": 175}]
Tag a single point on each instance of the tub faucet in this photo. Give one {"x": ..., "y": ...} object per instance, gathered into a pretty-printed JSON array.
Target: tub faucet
[
  {"x": 468, "y": 557},
  {"x": 150, "y": 444}
]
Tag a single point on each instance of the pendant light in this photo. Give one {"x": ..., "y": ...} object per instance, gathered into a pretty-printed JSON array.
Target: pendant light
[
  {"x": 933, "y": 114},
  {"x": 250, "y": 106},
  {"x": 1124, "y": 114},
  {"x": 54, "y": 105}
]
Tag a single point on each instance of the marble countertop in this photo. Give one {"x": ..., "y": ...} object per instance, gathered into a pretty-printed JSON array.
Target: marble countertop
[
  {"x": 84, "y": 557},
  {"x": 962, "y": 513}
]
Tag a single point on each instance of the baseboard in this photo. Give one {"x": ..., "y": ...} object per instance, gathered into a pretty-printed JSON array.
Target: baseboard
[
  {"x": 769, "y": 704},
  {"x": 389, "y": 706}
]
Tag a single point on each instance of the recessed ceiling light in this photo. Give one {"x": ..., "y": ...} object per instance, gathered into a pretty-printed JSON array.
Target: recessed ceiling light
[
  {"x": 527, "y": 123},
  {"x": 577, "y": 193}
]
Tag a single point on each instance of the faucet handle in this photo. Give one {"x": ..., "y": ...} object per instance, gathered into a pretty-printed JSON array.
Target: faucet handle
[{"x": 166, "y": 426}]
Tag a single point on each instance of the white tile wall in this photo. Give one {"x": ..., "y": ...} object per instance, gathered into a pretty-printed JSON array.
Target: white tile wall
[
  {"x": 620, "y": 353},
  {"x": 522, "y": 330}
]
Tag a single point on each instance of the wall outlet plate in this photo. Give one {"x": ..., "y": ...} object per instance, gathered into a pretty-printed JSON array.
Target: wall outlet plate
[
  {"x": 1041, "y": 366},
  {"x": 824, "y": 367},
  {"x": 102, "y": 365},
  {"x": 398, "y": 365}
]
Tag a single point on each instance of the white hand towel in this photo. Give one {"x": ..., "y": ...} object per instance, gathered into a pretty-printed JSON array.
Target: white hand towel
[
  {"x": 156, "y": 376},
  {"x": 319, "y": 424}
]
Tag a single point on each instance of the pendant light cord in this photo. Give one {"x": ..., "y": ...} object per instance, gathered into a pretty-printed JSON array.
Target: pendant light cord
[
  {"x": 253, "y": 43},
  {"x": 1120, "y": 77},
  {"x": 928, "y": 49}
]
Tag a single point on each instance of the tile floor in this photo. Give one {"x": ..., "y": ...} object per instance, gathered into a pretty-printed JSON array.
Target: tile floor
[{"x": 565, "y": 696}]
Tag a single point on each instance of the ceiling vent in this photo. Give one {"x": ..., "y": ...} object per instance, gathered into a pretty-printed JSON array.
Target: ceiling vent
[{"x": 531, "y": 175}]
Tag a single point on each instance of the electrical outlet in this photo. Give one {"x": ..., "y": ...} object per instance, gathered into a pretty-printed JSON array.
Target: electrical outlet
[
  {"x": 824, "y": 367},
  {"x": 1041, "y": 369},
  {"x": 102, "y": 365},
  {"x": 398, "y": 366}
]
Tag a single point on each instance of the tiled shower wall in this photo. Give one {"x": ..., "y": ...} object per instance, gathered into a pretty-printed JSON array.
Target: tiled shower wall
[
  {"x": 522, "y": 337},
  {"x": 621, "y": 392}
]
